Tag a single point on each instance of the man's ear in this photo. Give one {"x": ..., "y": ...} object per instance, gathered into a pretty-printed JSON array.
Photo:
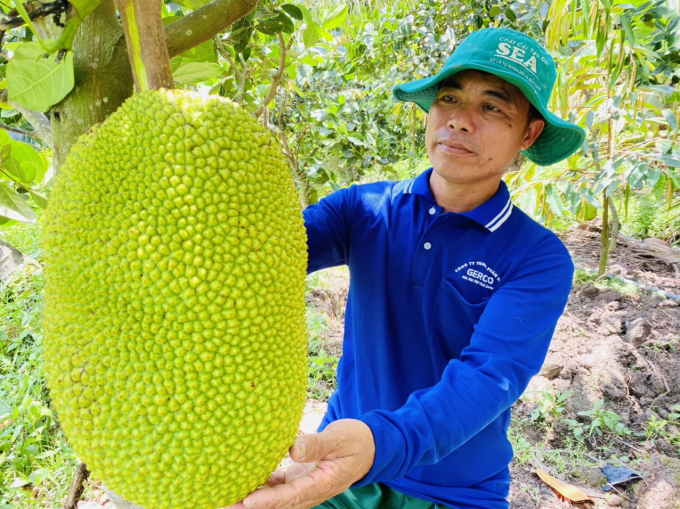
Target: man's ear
[{"x": 533, "y": 131}]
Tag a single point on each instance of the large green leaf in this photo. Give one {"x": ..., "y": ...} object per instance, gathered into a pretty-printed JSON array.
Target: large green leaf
[
  {"x": 13, "y": 206},
  {"x": 202, "y": 53},
  {"x": 197, "y": 72},
  {"x": 36, "y": 82}
]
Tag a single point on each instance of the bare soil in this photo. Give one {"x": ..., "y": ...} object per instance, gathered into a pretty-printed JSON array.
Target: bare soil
[{"x": 616, "y": 343}]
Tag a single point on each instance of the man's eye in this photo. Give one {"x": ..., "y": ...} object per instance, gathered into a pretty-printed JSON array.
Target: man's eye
[
  {"x": 491, "y": 108},
  {"x": 446, "y": 98}
]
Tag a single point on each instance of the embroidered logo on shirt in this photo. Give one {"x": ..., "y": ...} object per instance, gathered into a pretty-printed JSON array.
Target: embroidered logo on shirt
[{"x": 479, "y": 273}]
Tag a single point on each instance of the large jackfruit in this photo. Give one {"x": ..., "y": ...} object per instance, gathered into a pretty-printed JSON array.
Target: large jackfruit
[{"x": 174, "y": 322}]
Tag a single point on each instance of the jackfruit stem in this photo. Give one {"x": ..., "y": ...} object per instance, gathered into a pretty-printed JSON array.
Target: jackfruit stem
[{"x": 146, "y": 44}]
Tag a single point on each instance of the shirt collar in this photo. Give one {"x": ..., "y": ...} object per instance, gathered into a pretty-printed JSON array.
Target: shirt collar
[{"x": 491, "y": 214}]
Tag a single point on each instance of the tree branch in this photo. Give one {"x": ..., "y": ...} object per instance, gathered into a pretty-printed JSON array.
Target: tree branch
[
  {"x": 77, "y": 487},
  {"x": 277, "y": 77},
  {"x": 204, "y": 23},
  {"x": 240, "y": 74},
  {"x": 13, "y": 21},
  {"x": 42, "y": 129},
  {"x": 11, "y": 129},
  {"x": 145, "y": 41}
]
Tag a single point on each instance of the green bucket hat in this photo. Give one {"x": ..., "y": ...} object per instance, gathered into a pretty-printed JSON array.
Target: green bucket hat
[{"x": 519, "y": 60}]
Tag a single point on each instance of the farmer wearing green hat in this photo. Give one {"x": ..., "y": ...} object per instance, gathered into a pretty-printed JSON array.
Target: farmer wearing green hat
[{"x": 454, "y": 297}]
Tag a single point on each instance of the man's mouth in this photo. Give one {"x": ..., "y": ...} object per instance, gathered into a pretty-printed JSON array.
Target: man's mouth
[{"x": 456, "y": 148}]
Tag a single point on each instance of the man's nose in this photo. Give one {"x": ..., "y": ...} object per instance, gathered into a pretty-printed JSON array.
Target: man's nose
[{"x": 461, "y": 119}]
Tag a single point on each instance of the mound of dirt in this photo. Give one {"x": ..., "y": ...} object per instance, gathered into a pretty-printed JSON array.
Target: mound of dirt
[{"x": 614, "y": 356}]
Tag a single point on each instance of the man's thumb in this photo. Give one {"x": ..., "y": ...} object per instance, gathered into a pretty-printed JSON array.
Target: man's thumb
[{"x": 312, "y": 447}]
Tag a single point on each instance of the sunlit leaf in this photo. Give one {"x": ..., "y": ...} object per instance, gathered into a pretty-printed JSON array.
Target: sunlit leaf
[
  {"x": 336, "y": 17},
  {"x": 197, "y": 72},
  {"x": 13, "y": 206},
  {"x": 36, "y": 82}
]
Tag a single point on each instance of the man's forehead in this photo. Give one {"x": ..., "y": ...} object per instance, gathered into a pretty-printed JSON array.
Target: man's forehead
[{"x": 489, "y": 78}]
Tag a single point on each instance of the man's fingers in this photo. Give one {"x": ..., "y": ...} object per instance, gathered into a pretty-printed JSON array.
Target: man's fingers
[
  {"x": 282, "y": 496},
  {"x": 298, "y": 470},
  {"x": 278, "y": 477},
  {"x": 313, "y": 447}
]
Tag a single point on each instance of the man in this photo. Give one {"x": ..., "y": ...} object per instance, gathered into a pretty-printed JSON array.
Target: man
[{"x": 454, "y": 297}]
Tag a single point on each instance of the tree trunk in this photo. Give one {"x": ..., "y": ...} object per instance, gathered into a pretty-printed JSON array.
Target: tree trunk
[
  {"x": 103, "y": 80},
  {"x": 604, "y": 239},
  {"x": 616, "y": 225}
]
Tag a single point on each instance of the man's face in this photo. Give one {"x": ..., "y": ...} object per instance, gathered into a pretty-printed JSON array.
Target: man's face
[{"x": 475, "y": 127}]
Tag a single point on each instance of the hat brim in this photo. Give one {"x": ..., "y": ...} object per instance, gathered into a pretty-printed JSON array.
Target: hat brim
[{"x": 559, "y": 138}]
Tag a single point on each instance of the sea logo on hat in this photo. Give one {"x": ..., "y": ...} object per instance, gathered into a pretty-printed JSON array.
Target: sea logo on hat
[
  {"x": 517, "y": 53},
  {"x": 521, "y": 59}
]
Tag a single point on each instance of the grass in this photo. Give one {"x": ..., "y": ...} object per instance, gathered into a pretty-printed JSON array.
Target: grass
[
  {"x": 25, "y": 237},
  {"x": 35, "y": 461}
]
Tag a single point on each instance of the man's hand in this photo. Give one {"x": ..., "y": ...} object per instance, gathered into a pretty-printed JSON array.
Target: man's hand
[{"x": 327, "y": 464}]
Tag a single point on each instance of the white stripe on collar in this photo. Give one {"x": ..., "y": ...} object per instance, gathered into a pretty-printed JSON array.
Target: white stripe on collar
[
  {"x": 500, "y": 215},
  {"x": 501, "y": 220},
  {"x": 409, "y": 187}
]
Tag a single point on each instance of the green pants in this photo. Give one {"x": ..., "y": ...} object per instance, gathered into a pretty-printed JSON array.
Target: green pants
[{"x": 376, "y": 496}]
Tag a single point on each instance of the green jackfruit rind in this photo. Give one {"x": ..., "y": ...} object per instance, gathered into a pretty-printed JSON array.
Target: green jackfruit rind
[{"x": 174, "y": 323}]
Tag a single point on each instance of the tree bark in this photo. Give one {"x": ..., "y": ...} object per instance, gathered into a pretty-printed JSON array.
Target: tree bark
[{"x": 103, "y": 80}]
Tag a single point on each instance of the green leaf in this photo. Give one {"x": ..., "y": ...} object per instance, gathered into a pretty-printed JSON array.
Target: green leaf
[
  {"x": 6, "y": 150},
  {"x": 294, "y": 11},
  {"x": 627, "y": 28},
  {"x": 670, "y": 117},
  {"x": 305, "y": 14},
  {"x": 36, "y": 82},
  {"x": 12, "y": 206},
  {"x": 39, "y": 199},
  {"x": 276, "y": 24},
  {"x": 310, "y": 35},
  {"x": 175, "y": 62},
  {"x": 653, "y": 175},
  {"x": 202, "y": 53},
  {"x": 553, "y": 199},
  {"x": 495, "y": 11},
  {"x": 336, "y": 17},
  {"x": 510, "y": 14},
  {"x": 24, "y": 164},
  {"x": 309, "y": 61},
  {"x": 670, "y": 161},
  {"x": 197, "y": 72}
]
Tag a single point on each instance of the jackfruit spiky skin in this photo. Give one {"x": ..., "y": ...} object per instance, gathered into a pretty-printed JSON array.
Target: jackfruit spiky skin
[{"x": 174, "y": 322}]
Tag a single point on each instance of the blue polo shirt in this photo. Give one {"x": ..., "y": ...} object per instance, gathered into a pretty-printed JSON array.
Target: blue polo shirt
[{"x": 448, "y": 318}]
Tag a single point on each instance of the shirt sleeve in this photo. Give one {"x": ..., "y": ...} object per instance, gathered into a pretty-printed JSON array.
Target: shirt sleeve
[
  {"x": 328, "y": 230},
  {"x": 507, "y": 348}
]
